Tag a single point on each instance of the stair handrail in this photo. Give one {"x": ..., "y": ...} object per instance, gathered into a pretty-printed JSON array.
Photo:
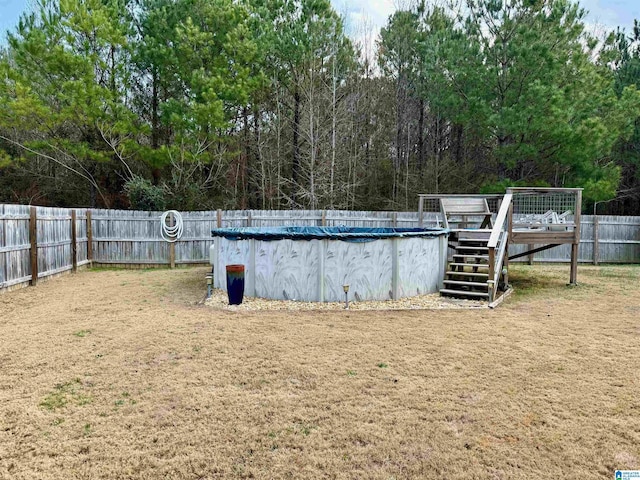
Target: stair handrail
[{"x": 499, "y": 235}]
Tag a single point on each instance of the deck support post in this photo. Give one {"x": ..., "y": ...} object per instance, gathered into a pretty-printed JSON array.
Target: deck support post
[{"x": 573, "y": 276}]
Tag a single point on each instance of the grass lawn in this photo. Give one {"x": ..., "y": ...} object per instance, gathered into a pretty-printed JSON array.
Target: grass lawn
[{"x": 124, "y": 375}]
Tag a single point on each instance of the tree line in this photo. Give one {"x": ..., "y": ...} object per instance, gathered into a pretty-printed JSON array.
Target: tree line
[{"x": 198, "y": 104}]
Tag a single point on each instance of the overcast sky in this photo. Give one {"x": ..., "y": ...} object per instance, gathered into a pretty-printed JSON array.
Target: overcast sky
[{"x": 607, "y": 13}]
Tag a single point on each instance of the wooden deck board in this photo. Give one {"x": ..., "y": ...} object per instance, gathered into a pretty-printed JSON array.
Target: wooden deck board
[{"x": 543, "y": 236}]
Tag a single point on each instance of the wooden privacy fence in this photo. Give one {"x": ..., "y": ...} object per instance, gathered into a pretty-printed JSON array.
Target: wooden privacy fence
[
  {"x": 36, "y": 242},
  {"x": 603, "y": 239},
  {"x": 125, "y": 237}
]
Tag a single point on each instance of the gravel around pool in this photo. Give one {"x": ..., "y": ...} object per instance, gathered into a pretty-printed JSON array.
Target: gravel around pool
[{"x": 430, "y": 301}]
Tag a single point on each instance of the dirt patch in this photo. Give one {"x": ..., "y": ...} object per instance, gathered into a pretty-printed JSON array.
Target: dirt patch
[{"x": 124, "y": 374}]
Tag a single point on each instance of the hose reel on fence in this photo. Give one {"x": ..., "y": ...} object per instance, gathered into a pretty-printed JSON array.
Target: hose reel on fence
[{"x": 171, "y": 226}]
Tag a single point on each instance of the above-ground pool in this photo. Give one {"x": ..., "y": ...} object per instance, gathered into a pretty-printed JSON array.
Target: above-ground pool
[{"x": 313, "y": 263}]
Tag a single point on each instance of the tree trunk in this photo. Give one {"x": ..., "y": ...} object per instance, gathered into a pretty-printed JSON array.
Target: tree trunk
[
  {"x": 258, "y": 158},
  {"x": 333, "y": 137},
  {"x": 295, "y": 166},
  {"x": 436, "y": 154},
  {"x": 458, "y": 139},
  {"x": 398, "y": 136},
  {"x": 155, "y": 134},
  {"x": 245, "y": 161},
  {"x": 92, "y": 196},
  {"x": 421, "y": 138},
  {"x": 112, "y": 56}
]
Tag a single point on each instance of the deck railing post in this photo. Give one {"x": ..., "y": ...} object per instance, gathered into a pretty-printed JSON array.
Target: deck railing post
[
  {"x": 506, "y": 265},
  {"x": 492, "y": 263},
  {"x": 219, "y": 218}
]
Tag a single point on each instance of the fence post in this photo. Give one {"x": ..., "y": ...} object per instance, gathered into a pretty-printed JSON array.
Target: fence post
[
  {"x": 219, "y": 218},
  {"x": 394, "y": 219},
  {"x": 89, "y": 238},
  {"x": 248, "y": 218},
  {"x": 33, "y": 237},
  {"x": 4, "y": 243},
  {"x": 323, "y": 219},
  {"x": 74, "y": 244},
  {"x": 421, "y": 212},
  {"x": 596, "y": 240},
  {"x": 172, "y": 245},
  {"x": 531, "y": 247}
]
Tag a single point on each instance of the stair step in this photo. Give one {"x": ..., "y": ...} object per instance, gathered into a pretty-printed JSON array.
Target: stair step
[
  {"x": 466, "y": 247},
  {"x": 469, "y": 274},
  {"x": 464, "y": 283},
  {"x": 473, "y": 242},
  {"x": 463, "y": 293},
  {"x": 474, "y": 265},
  {"x": 478, "y": 236},
  {"x": 471, "y": 255}
]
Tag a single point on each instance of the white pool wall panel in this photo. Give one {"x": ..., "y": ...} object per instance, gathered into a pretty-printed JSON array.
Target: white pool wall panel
[{"x": 316, "y": 270}]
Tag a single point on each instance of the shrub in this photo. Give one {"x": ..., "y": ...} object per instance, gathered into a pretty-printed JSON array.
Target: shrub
[{"x": 143, "y": 195}]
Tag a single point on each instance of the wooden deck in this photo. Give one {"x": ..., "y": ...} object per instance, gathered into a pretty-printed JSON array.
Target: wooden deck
[{"x": 541, "y": 218}]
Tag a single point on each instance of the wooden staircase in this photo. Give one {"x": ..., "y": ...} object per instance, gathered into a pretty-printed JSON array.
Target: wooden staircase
[
  {"x": 476, "y": 271},
  {"x": 479, "y": 268},
  {"x": 468, "y": 273}
]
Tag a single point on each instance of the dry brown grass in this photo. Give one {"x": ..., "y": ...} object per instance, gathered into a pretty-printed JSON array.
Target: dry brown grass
[{"x": 120, "y": 374}]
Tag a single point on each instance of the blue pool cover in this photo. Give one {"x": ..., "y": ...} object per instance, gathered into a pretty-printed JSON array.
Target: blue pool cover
[{"x": 347, "y": 234}]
